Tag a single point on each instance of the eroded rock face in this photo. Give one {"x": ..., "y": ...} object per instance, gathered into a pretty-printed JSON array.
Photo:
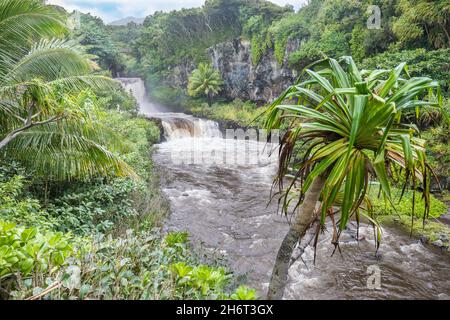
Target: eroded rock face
[
  {"x": 179, "y": 75},
  {"x": 262, "y": 82}
]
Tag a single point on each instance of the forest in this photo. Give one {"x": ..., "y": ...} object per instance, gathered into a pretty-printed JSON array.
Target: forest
[{"x": 82, "y": 209}]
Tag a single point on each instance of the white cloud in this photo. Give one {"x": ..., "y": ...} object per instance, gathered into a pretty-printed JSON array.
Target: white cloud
[{"x": 111, "y": 10}]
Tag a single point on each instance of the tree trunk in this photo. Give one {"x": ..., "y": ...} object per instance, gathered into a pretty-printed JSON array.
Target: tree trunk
[
  {"x": 209, "y": 100},
  {"x": 300, "y": 224}
]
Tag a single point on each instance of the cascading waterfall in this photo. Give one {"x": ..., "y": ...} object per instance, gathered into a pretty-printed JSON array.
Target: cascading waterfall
[
  {"x": 179, "y": 126},
  {"x": 175, "y": 125},
  {"x": 137, "y": 87}
]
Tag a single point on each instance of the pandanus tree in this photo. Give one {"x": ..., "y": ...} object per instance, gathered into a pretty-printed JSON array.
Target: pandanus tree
[
  {"x": 347, "y": 125},
  {"x": 42, "y": 122},
  {"x": 205, "y": 81}
]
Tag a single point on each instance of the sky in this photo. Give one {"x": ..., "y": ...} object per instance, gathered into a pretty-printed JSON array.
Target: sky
[{"x": 111, "y": 10}]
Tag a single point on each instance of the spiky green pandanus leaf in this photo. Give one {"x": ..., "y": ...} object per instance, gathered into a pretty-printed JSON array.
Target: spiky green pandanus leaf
[{"x": 351, "y": 125}]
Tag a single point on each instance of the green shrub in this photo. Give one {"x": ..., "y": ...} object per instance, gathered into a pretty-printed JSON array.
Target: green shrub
[
  {"x": 95, "y": 209},
  {"x": 434, "y": 64},
  {"x": 138, "y": 266},
  {"x": 438, "y": 148},
  {"x": 404, "y": 206},
  {"x": 118, "y": 99},
  {"x": 18, "y": 209},
  {"x": 28, "y": 250}
]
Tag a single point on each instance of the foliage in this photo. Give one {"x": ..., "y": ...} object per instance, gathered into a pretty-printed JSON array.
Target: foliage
[
  {"x": 168, "y": 39},
  {"x": 404, "y": 205},
  {"x": 138, "y": 266},
  {"x": 94, "y": 35},
  {"x": 351, "y": 121},
  {"x": 423, "y": 20},
  {"x": 421, "y": 62},
  {"x": 100, "y": 205},
  {"x": 138, "y": 134},
  {"x": 438, "y": 148},
  {"x": 28, "y": 251},
  {"x": 244, "y": 293},
  {"x": 205, "y": 81},
  {"x": 181, "y": 37},
  {"x": 256, "y": 20},
  {"x": 18, "y": 209},
  {"x": 119, "y": 100},
  {"x": 97, "y": 209},
  {"x": 43, "y": 110}
]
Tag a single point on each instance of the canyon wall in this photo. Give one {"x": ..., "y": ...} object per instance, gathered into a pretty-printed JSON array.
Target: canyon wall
[{"x": 242, "y": 79}]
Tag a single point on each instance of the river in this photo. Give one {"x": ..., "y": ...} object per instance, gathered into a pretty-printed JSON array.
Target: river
[{"x": 221, "y": 199}]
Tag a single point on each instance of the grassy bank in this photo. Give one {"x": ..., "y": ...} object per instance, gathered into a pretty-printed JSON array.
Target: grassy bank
[{"x": 431, "y": 231}]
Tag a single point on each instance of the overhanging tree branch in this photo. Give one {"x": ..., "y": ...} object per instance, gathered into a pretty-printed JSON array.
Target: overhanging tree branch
[{"x": 28, "y": 125}]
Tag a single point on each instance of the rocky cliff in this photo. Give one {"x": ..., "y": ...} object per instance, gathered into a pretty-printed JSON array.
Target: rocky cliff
[
  {"x": 242, "y": 79},
  {"x": 262, "y": 82}
]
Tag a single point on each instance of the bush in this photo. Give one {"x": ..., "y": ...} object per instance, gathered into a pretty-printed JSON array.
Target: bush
[
  {"x": 438, "y": 147},
  {"x": 138, "y": 266},
  {"x": 27, "y": 253},
  {"x": 403, "y": 206},
  {"x": 139, "y": 135},
  {"x": 95, "y": 208},
  {"x": 434, "y": 64},
  {"x": 18, "y": 209}
]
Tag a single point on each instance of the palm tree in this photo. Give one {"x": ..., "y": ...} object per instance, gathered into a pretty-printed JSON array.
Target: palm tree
[
  {"x": 41, "y": 75},
  {"x": 205, "y": 81},
  {"x": 349, "y": 124}
]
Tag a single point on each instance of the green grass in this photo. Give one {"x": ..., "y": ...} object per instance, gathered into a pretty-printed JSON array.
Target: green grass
[
  {"x": 245, "y": 114},
  {"x": 431, "y": 229},
  {"x": 403, "y": 206}
]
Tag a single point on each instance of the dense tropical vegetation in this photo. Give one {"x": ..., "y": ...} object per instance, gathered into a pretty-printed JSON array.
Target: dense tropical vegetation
[{"x": 80, "y": 205}]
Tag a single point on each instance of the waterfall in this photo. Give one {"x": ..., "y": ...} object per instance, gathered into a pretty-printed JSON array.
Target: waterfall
[
  {"x": 179, "y": 126},
  {"x": 175, "y": 125},
  {"x": 137, "y": 88}
]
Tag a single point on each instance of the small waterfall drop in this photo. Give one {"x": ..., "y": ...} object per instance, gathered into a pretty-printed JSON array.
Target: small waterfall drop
[
  {"x": 179, "y": 126},
  {"x": 137, "y": 87}
]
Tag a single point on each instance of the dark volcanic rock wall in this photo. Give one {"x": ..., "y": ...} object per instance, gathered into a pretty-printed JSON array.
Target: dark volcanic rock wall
[
  {"x": 243, "y": 80},
  {"x": 262, "y": 82}
]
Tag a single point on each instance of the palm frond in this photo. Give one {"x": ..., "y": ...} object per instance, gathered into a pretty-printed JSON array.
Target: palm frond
[{"x": 61, "y": 152}]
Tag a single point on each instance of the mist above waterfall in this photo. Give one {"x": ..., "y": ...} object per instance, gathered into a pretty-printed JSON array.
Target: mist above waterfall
[{"x": 137, "y": 88}]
